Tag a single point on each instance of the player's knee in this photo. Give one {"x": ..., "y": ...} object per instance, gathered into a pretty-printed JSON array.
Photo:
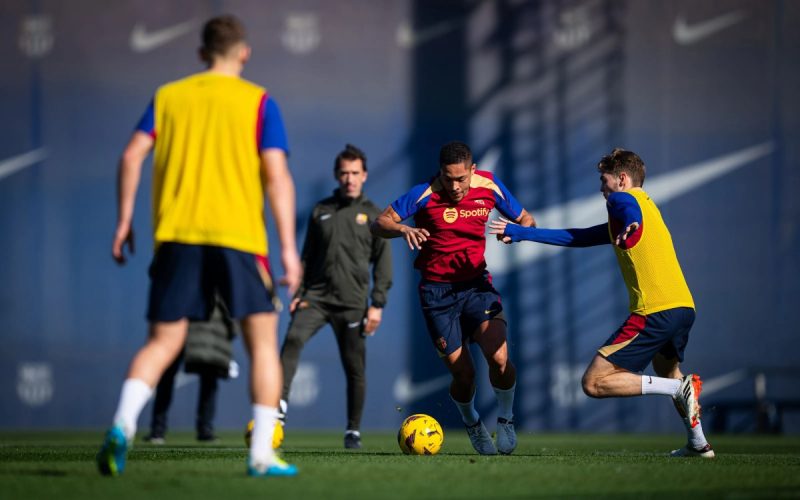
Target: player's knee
[
  {"x": 465, "y": 377},
  {"x": 591, "y": 386}
]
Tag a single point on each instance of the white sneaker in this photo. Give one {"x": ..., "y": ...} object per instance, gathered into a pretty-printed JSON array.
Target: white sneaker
[
  {"x": 687, "y": 451},
  {"x": 506, "y": 436},
  {"x": 481, "y": 440},
  {"x": 687, "y": 399}
]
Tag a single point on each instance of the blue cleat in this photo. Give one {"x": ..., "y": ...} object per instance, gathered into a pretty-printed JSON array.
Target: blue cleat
[
  {"x": 112, "y": 455},
  {"x": 278, "y": 468}
]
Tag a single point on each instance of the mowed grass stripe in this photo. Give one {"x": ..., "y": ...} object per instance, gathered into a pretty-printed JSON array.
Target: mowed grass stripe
[{"x": 61, "y": 465}]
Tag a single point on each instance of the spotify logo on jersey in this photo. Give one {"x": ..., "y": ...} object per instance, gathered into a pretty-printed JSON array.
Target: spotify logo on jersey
[{"x": 450, "y": 215}]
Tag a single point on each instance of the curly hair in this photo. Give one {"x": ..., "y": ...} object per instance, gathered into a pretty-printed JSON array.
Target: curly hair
[
  {"x": 621, "y": 160},
  {"x": 455, "y": 152}
]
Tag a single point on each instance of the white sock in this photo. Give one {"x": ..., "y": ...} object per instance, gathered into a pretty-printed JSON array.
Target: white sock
[
  {"x": 660, "y": 385},
  {"x": 261, "y": 451},
  {"x": 135, "y": 394},
  {"x": 468, "y": 413},
  {"x": 696, "y": 437},
  {"x": 505, "y": 402}
]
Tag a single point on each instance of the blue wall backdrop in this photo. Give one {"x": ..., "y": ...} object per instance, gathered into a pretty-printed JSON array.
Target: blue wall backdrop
[{"x": 705, "y": 91}]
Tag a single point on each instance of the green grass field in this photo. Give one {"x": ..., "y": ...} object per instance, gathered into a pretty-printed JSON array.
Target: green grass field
[{"x": 60, "y": 465}]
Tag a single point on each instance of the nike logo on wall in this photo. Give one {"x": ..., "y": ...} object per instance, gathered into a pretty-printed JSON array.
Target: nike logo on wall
[
  {"x": 405, "y": 391},
  {"x": 407, "y": 38},
  {"x": 590, "y": 210},
  {"x": 142, "y": 41},
  {"x": 16, "y": 163},
  {"x": 685, "y": 34},
  {"x": 490, "y": 160}
]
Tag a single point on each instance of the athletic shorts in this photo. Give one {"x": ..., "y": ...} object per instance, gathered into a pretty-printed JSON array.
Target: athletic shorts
[
  {"x": 634, "y": 345},
  {"x": 184, "y": 279},
  {"x": 454, "y": 311}
]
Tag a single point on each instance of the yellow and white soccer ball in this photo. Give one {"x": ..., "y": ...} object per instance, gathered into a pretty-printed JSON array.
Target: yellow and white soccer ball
[
  {"x": 277, "y": 436},
  {"x": 420, "y": 434}
]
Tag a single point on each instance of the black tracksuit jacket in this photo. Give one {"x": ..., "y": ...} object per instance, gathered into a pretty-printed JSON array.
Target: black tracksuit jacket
[{"x": 338, "y": 252}]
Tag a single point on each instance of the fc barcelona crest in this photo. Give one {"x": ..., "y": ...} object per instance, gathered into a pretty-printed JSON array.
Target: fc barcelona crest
[
  {"x": 35, "y": 383},
  {"x": 36, "y": 36}
]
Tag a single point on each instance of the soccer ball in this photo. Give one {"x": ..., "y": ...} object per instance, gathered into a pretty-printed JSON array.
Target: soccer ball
[
  {"x": 420, "y": 434},
  {"x": 277, "y": 436}
]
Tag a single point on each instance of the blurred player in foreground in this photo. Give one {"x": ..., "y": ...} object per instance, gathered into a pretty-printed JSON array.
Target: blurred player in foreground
[
  {"x": 662, "y": 308},
  {"x": 458, "y": 300},
  {"x": 219, "y": 145}
]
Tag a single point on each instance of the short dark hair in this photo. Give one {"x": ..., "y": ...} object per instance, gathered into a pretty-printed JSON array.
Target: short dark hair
[
  {"x": 350, "y": 153},
  {"x": 621, "y": 160},
  {"x": 455, "y": 152},
  {"x": 219, "y": 35}
]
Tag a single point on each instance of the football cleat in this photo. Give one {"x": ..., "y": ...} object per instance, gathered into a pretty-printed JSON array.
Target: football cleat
[
  {"x": 278, "y": 468},
  {"x": 112, "y": 455},
  {"x": 688, "y": 451},
  {"x": 352, "y": 441},
  {"x": 506, "y": 436},
  {"x": 687, "y": 399},
  {"x": 480, "y": 439}
]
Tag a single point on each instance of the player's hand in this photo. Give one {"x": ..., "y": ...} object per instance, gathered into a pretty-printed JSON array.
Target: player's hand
[
  {"x": 293, "y": 305},
  {"x": 123, "y": 236},
  {"x": 498, "y": 228},
  {"x": 293, "y": 270},
  {"x": 373, "y": 320},
  {"x": 623, "y": 236},
  {"x": 415, "y": 236}
]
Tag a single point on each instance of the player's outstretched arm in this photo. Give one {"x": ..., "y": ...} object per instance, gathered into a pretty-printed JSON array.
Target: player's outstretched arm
[
  {"x": 128, "y": 176},
  {"x": 525, "y": 220},
  {"x": 592, "y": 236},
  {"x": 279, "y": 188},
  {"x": 387, "y": 225}
]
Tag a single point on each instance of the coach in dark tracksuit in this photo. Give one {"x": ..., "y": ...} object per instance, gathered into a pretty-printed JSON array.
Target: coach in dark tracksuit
[{"x": 337, "y": 255}]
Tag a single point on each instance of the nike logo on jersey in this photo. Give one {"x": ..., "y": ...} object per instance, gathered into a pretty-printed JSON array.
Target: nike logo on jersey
[
  {"x": 142, "y": 41},
  {"x": 688, "y": 34},
  {"x": 589, "y": 210},
  {"x": 16, "y": 163}
]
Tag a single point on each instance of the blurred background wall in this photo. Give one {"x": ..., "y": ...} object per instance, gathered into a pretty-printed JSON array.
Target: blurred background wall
[{"x": 705, "y": 91}]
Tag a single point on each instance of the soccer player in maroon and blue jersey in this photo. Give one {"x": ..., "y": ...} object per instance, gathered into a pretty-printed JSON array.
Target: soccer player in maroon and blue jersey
[{"x": 458, "y": 300}]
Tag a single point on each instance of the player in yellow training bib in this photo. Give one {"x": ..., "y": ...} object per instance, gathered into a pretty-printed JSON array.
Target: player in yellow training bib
[
  {"x": 219, "y": 148},
  {"x": 662, "y": 309}
]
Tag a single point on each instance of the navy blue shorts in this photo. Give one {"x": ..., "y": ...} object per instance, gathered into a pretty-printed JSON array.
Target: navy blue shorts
[
  {"x": 454, "y": 311},
  {"x": 634, "y": 345},
  {"x": 185, "y": 278}
]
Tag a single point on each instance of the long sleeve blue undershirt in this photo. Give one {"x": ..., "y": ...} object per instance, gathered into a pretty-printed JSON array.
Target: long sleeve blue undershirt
[{"x": 621, "y": 207}]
